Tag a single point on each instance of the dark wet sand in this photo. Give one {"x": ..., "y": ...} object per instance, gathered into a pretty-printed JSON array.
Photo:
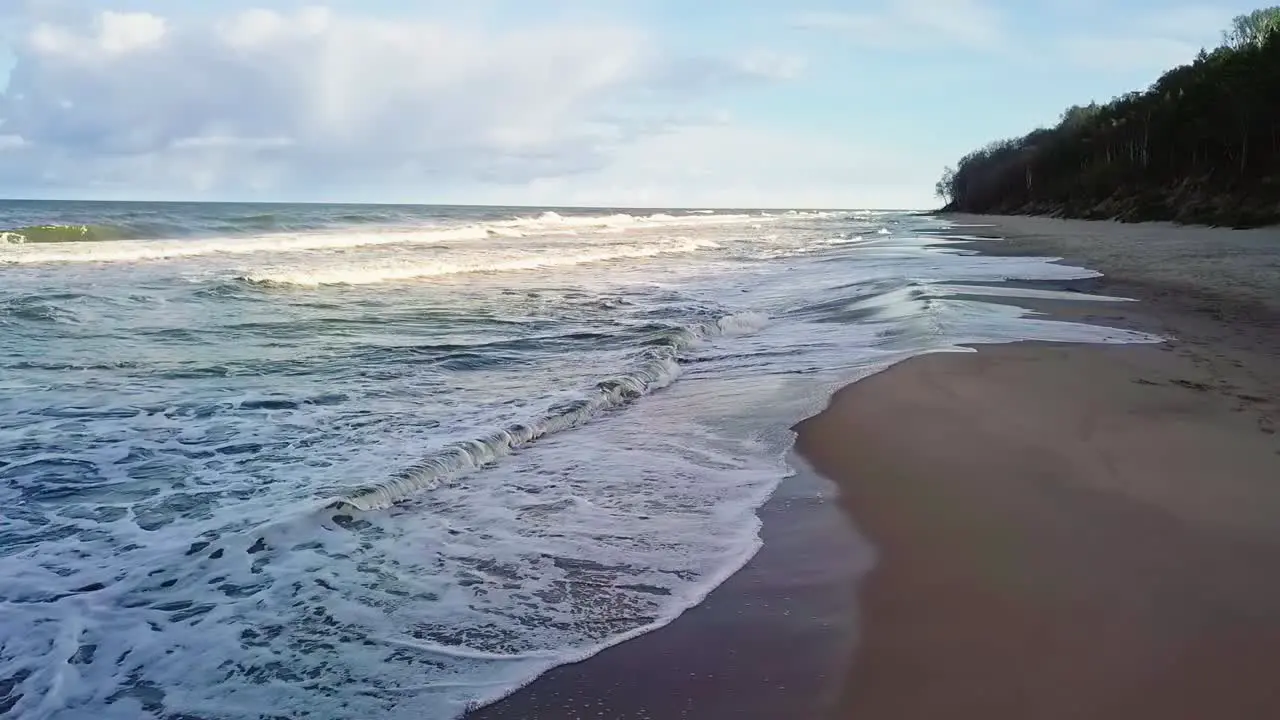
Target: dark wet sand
[{"x": 1063, "y": 531}]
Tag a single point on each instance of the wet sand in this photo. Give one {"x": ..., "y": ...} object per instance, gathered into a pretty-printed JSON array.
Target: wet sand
[
  {"x": 1076, "y": 531},
  {"x": 774, "y": 641}
]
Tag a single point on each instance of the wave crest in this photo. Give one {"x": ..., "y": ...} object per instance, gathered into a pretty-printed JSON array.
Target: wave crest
[
  {"x": 85, "y": 243},
  {"x": 368, "y": 274},
  {"x": 660, "y": 368}
]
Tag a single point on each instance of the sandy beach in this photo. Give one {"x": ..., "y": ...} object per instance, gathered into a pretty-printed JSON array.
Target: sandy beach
[
  {"x": 1059, "y": 531},
  {"x": 1077, "y": 531}
]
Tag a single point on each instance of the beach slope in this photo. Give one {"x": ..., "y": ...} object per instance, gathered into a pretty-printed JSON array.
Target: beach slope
[{"x": 1073, "y": 531}]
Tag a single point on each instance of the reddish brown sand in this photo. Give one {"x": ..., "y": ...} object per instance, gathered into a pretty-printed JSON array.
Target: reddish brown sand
[{"x": 1068, "y": 531}]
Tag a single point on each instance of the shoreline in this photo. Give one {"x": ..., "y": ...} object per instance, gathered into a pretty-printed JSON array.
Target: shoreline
[
  {"x": 1074, "y": 530},
  {"x": 728, "y": 656},
  {"x": 720, "y": 658}
]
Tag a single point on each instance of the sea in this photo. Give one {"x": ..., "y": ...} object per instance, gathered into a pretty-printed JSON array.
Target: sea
[{"x": 358, "y": 461}]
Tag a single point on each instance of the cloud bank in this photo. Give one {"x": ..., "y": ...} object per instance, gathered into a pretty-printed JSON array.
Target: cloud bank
[{"x": 315, "y": 104}]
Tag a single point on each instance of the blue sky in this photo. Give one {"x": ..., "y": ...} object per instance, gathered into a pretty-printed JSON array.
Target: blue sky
[{"x": 612, "y": 102}]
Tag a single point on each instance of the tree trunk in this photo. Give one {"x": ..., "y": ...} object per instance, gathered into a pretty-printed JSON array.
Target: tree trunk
[{"x": 1146, "y": 143}]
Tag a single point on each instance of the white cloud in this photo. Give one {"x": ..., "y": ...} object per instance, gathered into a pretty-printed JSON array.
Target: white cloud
[
  {"x": 311, "y": 102},
  {"x": 966, "y": 22},
  {"x": 129, "y": 32},
  {"x": 12, "y": 142},
  {"x": 910, "y": 24},
  {"x": 114, "y": 34},
  {"x": 726, "y": 165},
  {"x": 223, "y": 141}
]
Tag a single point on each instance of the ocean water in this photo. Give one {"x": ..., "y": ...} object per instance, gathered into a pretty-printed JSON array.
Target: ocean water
[{"x": 395, "y": 462}]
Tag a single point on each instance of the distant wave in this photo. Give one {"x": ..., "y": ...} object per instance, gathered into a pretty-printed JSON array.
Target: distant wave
[
  {"x": 261, "y": 221},
  {"x": 130, "y": 250},
  {"x": 659, "y": 369},
  {"x": 386, "y": 272},
  {"x": 169, "y": 227},
  {"x": 553, "y": 221},
  {"x": 83, "y": 243}
]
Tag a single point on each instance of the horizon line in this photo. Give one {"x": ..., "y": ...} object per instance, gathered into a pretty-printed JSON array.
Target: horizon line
[{"x": 464, "y": 205}]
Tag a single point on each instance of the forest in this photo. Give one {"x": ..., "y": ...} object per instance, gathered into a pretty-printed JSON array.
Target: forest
[{"x": 1201, "y": 145}]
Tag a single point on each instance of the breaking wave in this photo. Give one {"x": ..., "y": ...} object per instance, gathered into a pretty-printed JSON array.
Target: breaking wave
[
  {"x": 89, "y": 243},
  {"x": 408, "y": 270},
  {"x": 659, "y": 368}
]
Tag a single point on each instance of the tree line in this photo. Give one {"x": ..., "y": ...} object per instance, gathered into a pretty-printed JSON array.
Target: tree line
[{"x": 1201, "y": 145}]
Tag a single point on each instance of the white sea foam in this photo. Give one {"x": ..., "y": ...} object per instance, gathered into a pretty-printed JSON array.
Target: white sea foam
[
  {"x": 134, "y": 250},
  {"x": 474, "y": 453},
  {"x": 942, "y": 289},
  {"x": 549, "y": 223},
  {"x": 660, "y": 368},
  {"x": 513, "y": 261},
  {"x": 742, "y": 323}
]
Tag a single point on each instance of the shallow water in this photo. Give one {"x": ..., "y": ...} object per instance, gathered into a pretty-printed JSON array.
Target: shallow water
[{"x": 395, "y": 461}]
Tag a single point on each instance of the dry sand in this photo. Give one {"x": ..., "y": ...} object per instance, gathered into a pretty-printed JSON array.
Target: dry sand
[{"x": 1075, "y": 531}]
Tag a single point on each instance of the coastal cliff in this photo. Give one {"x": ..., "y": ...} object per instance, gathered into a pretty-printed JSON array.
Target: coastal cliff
[{"x": 1201, "y": 145}]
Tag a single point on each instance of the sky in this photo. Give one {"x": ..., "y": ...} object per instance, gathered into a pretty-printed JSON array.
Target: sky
[{"x": 639, "y": 103}]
